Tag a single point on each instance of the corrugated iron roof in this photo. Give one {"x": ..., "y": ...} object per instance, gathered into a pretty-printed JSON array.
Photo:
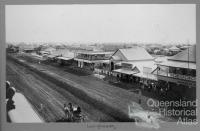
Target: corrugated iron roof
[
  {"x": 136, "y": 53},
  {"x": 124, "y": 71},
  {"x": 95, "y": 52},
  {"x": 179, "y": 64},
  {"x": 143, "y": 64},
  {"x": 174, "y": 48},
  {"x": 64, "y": 58},
  {"x": 186, "y": 55}
]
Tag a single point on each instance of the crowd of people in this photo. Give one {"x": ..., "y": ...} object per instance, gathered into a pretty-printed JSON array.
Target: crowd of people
[{"x": 153, "y": 88}]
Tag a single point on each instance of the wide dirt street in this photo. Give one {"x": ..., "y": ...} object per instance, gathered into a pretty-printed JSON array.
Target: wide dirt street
[
  {"x": 40, "y": 91},
  {"x": 99, "y": 100}
]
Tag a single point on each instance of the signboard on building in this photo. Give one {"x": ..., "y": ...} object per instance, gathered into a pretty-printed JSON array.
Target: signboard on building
[{"x": 178, "y": 81}]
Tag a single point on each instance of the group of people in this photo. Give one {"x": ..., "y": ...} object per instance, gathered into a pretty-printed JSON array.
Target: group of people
[
  {"x": 10, "y": 92},
  {"x": 161, "y": 89},
  {"x": 72, "y": 114}
]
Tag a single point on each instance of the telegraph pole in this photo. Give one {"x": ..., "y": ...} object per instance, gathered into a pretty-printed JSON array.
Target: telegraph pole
[{"x": 188, "y": 53}]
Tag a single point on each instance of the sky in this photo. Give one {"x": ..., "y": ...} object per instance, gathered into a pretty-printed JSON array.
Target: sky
[{"x": 149, "y": 23}]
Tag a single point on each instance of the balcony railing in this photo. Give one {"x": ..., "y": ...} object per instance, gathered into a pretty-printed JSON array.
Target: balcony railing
[
  {"x": 184, "y": 77},
  {"x": 178, "y": 76},
  {"x": 103, "y": 67},
  {"x": 92, "y": 58}
]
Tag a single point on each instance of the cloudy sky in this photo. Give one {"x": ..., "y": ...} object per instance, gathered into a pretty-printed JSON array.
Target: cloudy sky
[{"x": 101, "y": 23}]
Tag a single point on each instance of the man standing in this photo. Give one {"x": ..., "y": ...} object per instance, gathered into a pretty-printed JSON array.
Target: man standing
[{"x": 66, "y": 110}]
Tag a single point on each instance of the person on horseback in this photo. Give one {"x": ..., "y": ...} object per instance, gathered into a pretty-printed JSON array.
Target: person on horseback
[
  {"x": 70, "y": 106},
  {"x": 77, "y": 115},
  {"x": 72, "y": 115},
  {"x": 68, "y": 112}
]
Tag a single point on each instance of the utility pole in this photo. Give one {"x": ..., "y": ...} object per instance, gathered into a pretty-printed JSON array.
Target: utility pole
[{"x": 188, "y": 53}]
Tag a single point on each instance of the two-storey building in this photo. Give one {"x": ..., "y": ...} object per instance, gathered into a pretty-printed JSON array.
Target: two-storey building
[
  {"x": 92, "y": 59},
  {"x": 179, "y": 73},
  {"x": 133, "y": 64}
]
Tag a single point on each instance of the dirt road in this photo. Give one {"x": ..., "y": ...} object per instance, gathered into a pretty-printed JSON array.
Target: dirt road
[
  {"x": 110, "y": 102},
  {"x": 41, "y": 91}
]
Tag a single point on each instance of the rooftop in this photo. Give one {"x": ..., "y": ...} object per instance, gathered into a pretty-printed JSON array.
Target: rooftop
[
  {"x": 95, "y": 53},
  {"x": 63, "y": 53},
  {"x": 49, "y": 49},
  {"x": 174, "y": 48},
  {"x": 188, "y": 55},
  {"x": 142, "y": 65},
  {"x": 179, "y": 64},
  {"x": 136, "y": 53},
  {"x": 124, "y": 71}
]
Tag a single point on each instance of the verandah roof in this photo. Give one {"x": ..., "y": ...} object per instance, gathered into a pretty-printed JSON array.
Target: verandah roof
[{"x": 124, "y": 71}]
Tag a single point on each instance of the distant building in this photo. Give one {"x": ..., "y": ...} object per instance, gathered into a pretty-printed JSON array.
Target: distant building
[
  {"x": 157, "y": 51},
  {"x": 62, "y": 56},
  {"x": 174, "y": 50},
  {"x": 111, "y": 47},
  {"x": 28, "y": 50},
  {"x": 47, "y": 50},
  {"x": 184, "y": 47},
  {"x": 166, "y": 51},
  {"x": 90, "y": 59},
  {"x": 12, "y": 49}
]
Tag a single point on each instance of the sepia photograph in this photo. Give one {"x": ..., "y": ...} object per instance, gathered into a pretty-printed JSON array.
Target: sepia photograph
[{"x": 101, "y": 63}]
